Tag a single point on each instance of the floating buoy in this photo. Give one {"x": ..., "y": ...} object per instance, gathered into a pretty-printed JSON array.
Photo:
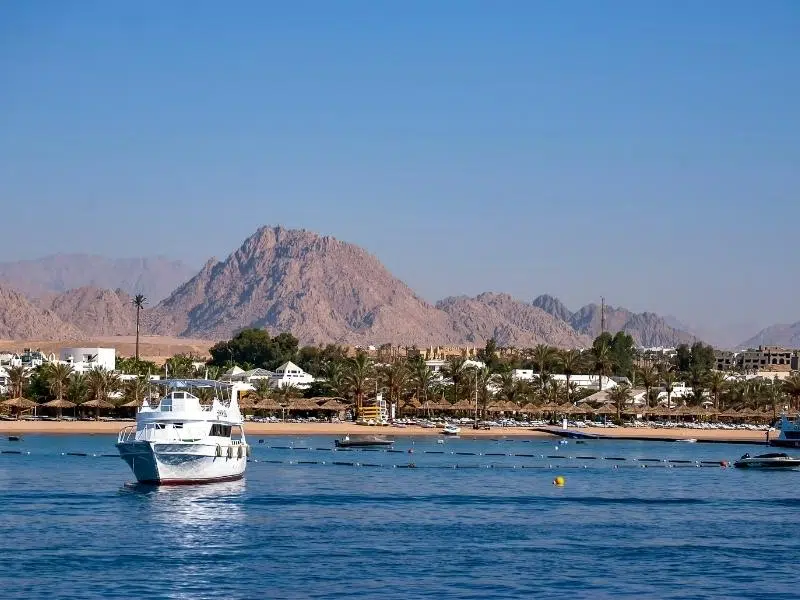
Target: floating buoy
[
  {"x": 411, "y": 451},
  {"x": 558, "y": 481},
  {"x": 723, "y": 464}
]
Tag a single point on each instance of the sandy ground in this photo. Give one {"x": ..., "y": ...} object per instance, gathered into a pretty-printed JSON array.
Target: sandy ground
[
  {"x": 112, "y": 427},
  {"x": 151, "y": 347}
]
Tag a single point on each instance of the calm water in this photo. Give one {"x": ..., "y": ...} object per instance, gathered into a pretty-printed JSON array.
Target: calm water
[{"x": 75, "y": 527}]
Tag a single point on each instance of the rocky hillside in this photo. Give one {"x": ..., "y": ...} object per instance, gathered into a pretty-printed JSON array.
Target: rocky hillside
[
  {"x": 554, "y": 306},
  {"x": 155, "y": 277},
  {"x": 20, "y": 318},
  {"x": 96, "y": 312},
  {"x": 319, "y": 288},
  {"x": 509, "y": 321},
  {"x": 787, "y": 336},
  {"x": 647, "y": 329}
]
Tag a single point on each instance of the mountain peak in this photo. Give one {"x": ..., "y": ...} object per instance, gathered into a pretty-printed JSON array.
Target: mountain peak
[{"x": 552, "y": 305}]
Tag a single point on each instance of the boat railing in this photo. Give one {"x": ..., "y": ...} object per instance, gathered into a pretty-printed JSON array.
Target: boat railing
[{"x": 127, "y": 435}]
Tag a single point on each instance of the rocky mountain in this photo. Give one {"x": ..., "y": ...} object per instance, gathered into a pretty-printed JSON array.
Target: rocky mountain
[
  {"x": 554, "y": 306},
  {"x": 787, "y": 336},
  {"x": 21, "y": 319},
  {"x": 647, "y": 329},
  {"x": 155, "y": 277},
  {"x": 510, "y": 322},
  {"x": 96, "y": 312},
  {"x": 317, "y": 287}
]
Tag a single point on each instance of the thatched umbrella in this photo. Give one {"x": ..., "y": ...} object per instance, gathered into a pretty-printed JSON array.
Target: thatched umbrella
[
  {"x": 97, "y": 404},
  {"x": 463, "y": 405},
  {"x": 333, "y": 404},
  {"x": 606, "y": 409},
  {"x": 60, "y": 405},
  {"x": 582, "y": 409},
  {"x": 19, "y": 404},
  {"x": 566, "y": 409},
  {"x": 248, "y": 402}
]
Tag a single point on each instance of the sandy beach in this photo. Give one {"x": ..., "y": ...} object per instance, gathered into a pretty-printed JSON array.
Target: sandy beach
[{"x": 293, "y": 429}]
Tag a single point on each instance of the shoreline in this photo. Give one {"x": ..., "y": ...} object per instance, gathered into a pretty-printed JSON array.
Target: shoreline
[{"x": 338, "y": 429}]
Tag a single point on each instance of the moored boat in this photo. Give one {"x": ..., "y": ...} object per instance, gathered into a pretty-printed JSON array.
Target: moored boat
[
  {"x": 774, "y": 460},
  {"x": 362, "y": 441},
  {"x": 183, "y": 440},
  {"x": 789, "y": 436},
  {"x": 451, "y": 429}
]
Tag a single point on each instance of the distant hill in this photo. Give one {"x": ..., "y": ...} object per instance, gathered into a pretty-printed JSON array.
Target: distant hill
[
  {"x": 320, "y": 289},
  {"x": 20, "y": 318},
  {"x": 647, "y": 329},
  {"x": 787, "y": 336},
  {"x": 510, "y": 322},
  {"x": 155, "y": 277},
  {"x": 317, "y": 287},
  {"x": 96, "y": 312}
]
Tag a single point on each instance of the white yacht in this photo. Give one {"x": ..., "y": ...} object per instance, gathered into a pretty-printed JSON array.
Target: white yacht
[
  {"x": 790, "y": 433},
  {"x": 183, "y": 440}
]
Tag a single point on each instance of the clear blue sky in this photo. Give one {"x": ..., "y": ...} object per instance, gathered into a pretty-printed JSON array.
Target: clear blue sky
[{"x": 644, "y": 151}]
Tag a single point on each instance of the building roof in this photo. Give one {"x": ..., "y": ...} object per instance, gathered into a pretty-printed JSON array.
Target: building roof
[{"x": 287, "y": 366}]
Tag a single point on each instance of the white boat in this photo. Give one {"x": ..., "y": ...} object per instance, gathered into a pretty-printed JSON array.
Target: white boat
[
  {"x": 789, "y": 436},
  {"x": 451, "y": 429},
  {"x": 768, "y": 461},
  {"x": 183, "y": 440}
]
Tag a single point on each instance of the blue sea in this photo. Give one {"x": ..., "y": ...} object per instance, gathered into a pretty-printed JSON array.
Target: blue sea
[{"x": 462, "y": 519}]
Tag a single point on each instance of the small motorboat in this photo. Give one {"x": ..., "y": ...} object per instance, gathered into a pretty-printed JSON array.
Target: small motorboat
[
  {"x": 451, "y": 429},
  {"x": 14, "y": 438},
  {"x": 773, "y": 460},
  {"x": 362, "y": 442}
]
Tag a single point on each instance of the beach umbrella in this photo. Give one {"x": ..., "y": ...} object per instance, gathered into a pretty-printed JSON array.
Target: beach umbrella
[
  {"x": 60, "y": 405},
  {"x": 97, "y": 404},
  {"x": 19, "y": 404}
]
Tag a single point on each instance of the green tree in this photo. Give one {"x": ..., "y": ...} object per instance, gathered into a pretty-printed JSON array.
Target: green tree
[
  {"x": 601, "y": 362},
  {"x": 716, "y": 382},
  {"x": 58, "y": 377},
  {"x": 544, "y": 357},
  {"x": 394, "y": 378},
  {"x": 791, "y": 387},
  {"x": 620, "y": 396},
  {"x": 358, "y": 376},
  {"x": 131, "y": 366},
  {"x": 683, "y": 358},
  {"x": 78, "y": 389},
  {"x": 138, "y": 301},
  {"x": 455, "y": 371},
  {"x": 16, "y": 380},
  {"x": 571, "y": 362},
  {"x": 134, "y": 390},
  {"x": 701, "y": 357},
  {"x": 622, "y": 352},
  {"x": 668, "y": 381},
  {"x": 649, "y": 378},
  {"x": 180, "y": 366},
  {"x": 488, "y": 355}
]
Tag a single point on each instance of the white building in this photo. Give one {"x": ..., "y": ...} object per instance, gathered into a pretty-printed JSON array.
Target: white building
[
  {"x": 290, "y": 374},
  {"x": 3, "y": 381},
  {"x": 10, "y": 359},
  {"x": 581, "y": 381},
  {"x": 87, "y": 359}
]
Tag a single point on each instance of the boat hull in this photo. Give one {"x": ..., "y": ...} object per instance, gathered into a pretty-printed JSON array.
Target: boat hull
[
  {"x": 183, "y": 463},
  {"x": 779, "y": 443}
]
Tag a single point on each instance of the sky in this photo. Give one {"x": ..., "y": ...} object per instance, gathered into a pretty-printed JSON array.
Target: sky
[{"x": 647, "y": 152}]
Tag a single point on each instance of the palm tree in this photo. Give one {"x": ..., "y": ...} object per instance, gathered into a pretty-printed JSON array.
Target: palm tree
[
  {"x": 138, "y": 301},
  {"x": 483, "y": 378},
  {"x": 135, "y": 390},
  {"x": 716, "y": 383},
  {"x": 649, "y": 377},
  {"x": 620, "y": 395},
  {"x": 668, "y": 381},
  {"x": 570, "y": 361},
  {"x": 601, "y": 362},
  {"x": 511, "y": 389},
  {"x": 58, "y": 377},
  {"x": 454, "y": 370},
  {"x": 357, "y": 377},
  {"x": 422, "y": 377},
  {"x": 16, "y": 379},
  {"x": 78, "y": 388},
  {"x": 791, "y": 387},
  {"x": 394, "y": 378},
  {"x": 544, "y": 357}
]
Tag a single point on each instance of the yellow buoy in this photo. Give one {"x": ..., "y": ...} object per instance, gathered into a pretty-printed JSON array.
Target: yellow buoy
[{"x": 559, "y": 481}]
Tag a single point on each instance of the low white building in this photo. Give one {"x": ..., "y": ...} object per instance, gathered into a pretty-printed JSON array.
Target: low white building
[
  {"x": 581, "y": 381},
  {"x": 10, "y": 359},
  {"x": 290, "y": 374},
  {"x": 87, "y": 359},
  {"x": 3, "y": 381}
]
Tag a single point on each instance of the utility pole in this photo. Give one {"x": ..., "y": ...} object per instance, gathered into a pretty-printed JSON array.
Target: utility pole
[{"x": 602, "y": 315}]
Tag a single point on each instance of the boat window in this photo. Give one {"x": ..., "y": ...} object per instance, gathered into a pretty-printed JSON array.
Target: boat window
[
  {"x": 220, "y": 430},
  {"x": 177, "y": 425}
]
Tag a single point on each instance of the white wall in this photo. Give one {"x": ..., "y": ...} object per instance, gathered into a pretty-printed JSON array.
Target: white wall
[{"x": 86, "y": 359}]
